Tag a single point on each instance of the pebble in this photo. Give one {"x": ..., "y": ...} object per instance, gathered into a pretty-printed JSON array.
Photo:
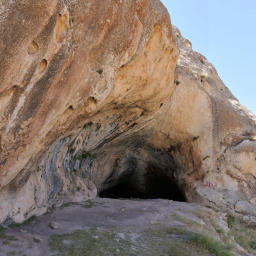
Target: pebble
[
  {"x": 120, "y": 235},
  {"x": 54, "y": 225},
  {"x": 37, "y": 239}
]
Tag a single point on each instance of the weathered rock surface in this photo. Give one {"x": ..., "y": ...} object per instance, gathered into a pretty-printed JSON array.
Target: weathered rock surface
[
  {"x": 227, "y": 176},
  {"x": 94, "y": 95}
]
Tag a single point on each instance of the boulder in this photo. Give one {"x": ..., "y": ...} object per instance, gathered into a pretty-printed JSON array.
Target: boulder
[{"x": 37, "y": 239}]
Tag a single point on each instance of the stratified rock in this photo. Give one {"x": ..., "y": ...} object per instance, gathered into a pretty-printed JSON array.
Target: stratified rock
[
  {"x": 245, "y": 207},
  {"x": 216, "y": 138},
  {"x": 95, "y": 97}
]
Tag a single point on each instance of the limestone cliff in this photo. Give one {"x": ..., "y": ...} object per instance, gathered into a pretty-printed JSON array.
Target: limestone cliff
[
  {"x": 95, "y": 95},
  {"x": 224, "y": 135}
]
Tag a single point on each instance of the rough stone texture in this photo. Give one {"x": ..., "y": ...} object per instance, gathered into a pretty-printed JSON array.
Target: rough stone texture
[
  {"x": 227, "y": 135},
  {"x": 245, "y": 208},
  {"x": 75, "y": 78},
  {"x": 92, "y": 95}
]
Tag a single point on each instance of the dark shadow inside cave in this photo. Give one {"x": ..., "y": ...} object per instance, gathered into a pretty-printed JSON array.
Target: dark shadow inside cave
[{"x": 156, "y": 185}]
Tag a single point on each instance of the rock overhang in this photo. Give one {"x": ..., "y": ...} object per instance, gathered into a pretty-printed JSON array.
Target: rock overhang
[{"x": 98, "y": 92}]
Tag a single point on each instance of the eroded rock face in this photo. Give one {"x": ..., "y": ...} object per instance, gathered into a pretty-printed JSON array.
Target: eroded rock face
[
  {"x": 226, "y": 144},
  {"x": 76, "y": 77},
  {"x": 95, "y": 97}
]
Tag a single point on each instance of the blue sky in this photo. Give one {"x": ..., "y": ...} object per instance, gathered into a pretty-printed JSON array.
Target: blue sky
[{"x": 224, "y": 31}]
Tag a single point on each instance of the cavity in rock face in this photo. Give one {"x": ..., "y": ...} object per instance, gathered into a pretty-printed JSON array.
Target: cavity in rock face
[
  {"x": 117, "y": 112},
  {"x": 134, "y": 175},
  {"x": 33, "y": 48},
  {"x": 42, "y": 67},
  {"x": 156, "y": 185}
]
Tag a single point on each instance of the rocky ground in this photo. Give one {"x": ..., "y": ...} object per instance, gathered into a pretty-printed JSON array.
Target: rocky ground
[{"x": 129, "y": 227}]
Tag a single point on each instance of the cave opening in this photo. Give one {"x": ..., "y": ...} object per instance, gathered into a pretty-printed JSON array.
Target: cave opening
[{"x": 156, "y": 184}]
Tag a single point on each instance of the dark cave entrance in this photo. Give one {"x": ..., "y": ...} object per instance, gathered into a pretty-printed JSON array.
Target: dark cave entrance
[{"x": 156, "y": 185}]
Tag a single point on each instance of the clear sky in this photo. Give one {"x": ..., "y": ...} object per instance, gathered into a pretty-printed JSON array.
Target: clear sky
[{"x": 224, "y": 31}]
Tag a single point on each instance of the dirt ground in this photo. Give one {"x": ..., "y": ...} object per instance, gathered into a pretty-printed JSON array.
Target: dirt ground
[{"x": 118, "y": 227}]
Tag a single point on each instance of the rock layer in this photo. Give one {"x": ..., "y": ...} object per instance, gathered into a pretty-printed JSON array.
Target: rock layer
[
  {"x": 95, "y": 95},
  {"x": 226, "y": 143}
]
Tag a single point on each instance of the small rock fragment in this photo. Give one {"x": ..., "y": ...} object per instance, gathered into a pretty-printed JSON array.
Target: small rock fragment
[
  {"x": 120, "y": 235},
  {"x": 23, "y": 231},
  {"x": 37, "y": 239},
  {"x": 54, "y": 225},
  {"x": 180, "y": 237},
  {"x": 246, "y": 218},
  {"x": 66, "y": 242}
]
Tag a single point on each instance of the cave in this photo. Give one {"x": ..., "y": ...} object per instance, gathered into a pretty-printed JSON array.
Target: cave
[{"x": 156, "y": 184}]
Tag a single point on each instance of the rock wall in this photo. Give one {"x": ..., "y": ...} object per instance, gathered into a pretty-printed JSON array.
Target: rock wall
[
  {"x": 99, "y": 93},
  {"x": 226, "y": 142}
]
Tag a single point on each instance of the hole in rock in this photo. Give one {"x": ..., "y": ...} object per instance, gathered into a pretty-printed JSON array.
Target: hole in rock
[
  {"x": 94, "y": 100},
  {"x": 33, "y": 48},
  {"x": 156, "y": 185},
  {"x": 42, "y": 67}
]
